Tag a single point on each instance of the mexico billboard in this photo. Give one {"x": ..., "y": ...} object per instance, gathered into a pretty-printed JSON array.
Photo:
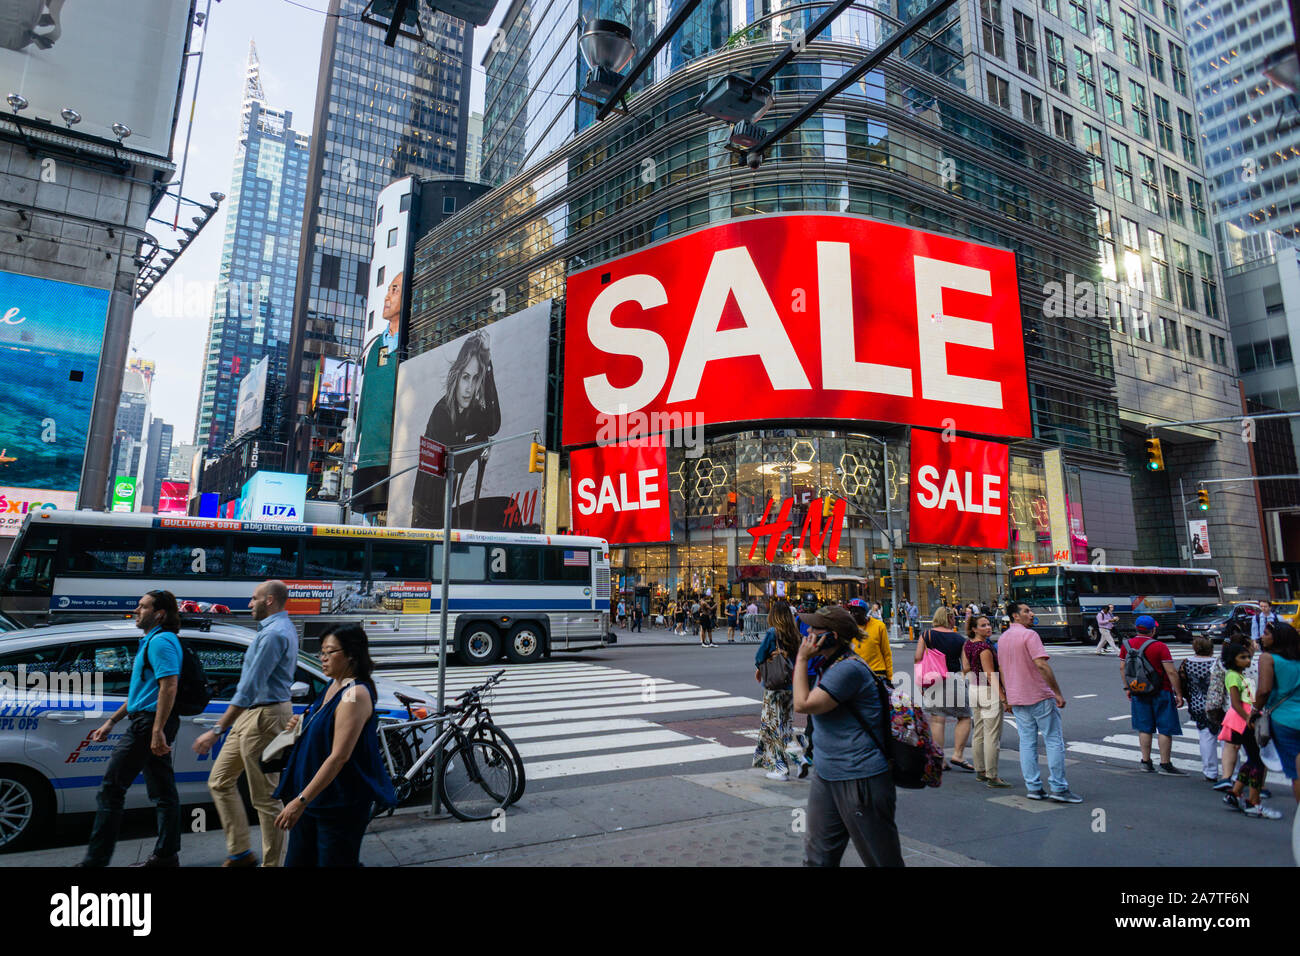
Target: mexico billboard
[
  {"x": 50, "y": 335},
  {"x": 112, "y": 61},
  {"x": 808, "y": 317},
  {"x": 487, "y": 384}
]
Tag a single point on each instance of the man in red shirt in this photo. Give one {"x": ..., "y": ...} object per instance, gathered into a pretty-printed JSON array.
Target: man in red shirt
[{"x": 1155, "y": 713}]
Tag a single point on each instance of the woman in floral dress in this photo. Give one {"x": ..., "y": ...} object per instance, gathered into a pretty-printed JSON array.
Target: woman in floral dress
[{"x": 776, "y": 725}]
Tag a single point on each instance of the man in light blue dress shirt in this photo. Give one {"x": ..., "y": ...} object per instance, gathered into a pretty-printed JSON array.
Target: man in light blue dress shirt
[{"x": 259, "y": 710}]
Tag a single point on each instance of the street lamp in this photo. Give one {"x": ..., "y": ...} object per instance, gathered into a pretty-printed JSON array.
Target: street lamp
[
  {"x": 608, "y": 48},
  {"x": 740, "y": 101},
  {"x": 17, "y": 102}
]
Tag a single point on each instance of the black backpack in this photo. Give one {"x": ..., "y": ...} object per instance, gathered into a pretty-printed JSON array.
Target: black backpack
[
  {"x": 1141, "y": 677},
  {"x": 192, "y": 689}
]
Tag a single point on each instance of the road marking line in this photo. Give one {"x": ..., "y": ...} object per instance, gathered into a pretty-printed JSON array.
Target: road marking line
[
  {"x": 1132, "y": 740},
  {"x": 611, "y": 742},
  {"x": 579, "y": 727},
  {"x": 1083, "y": 696},
  {"x": 1131, "y": 756},
  {"x": 1121, "y": 717},
  {"x": 528, "y": 715},
  {"x": 632, "y": 761}
]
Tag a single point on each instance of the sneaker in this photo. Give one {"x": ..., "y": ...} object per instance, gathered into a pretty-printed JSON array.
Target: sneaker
[
  {"x": 1065, "y": 796},
  {"x": 997, "y": 783},
  {"x": 1148, "y": 766},
  {"x": 1261, "y": 812},
  {"x": 244, "y": 859},
  {"x": 803, "y": 769},
  {"x": 1172, "y": 771},
  {"x": 1224, "y": 784},
  {"x": 1231, "y": 802},
  {"x": 776, "y": 775},
  {"x": 979, "y": 775},
  {"x": 1037, "y": 795}
]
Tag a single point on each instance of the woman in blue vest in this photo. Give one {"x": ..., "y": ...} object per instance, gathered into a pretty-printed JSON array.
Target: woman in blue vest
[{"x": 335, "y": 774}]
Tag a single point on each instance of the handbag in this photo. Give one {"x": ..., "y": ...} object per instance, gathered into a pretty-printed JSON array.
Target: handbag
[
  {"x": 275, "y": 755},
  {"x": 933, "y": 666},
  {"x": 1263, "y": 722},
  {"x": 776, "y": 672}
]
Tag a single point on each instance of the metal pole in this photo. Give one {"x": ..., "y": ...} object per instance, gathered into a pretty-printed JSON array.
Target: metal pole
[
  {"x": 1187, "y": 528},
  {"x": 449, "y": 483},
  {"x": 889, "y": 526},
  {"x": 189, "y": 128}
]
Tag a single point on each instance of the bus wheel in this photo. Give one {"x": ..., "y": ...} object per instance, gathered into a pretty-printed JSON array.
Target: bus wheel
[
  {"x": 481, "y": 644},
  {"x": 26, "y": 808},
  {"x": 524, "y": 644}
]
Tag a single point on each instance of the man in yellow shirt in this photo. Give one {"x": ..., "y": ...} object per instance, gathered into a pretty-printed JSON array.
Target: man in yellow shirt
[{"x": 872, "y": 644}]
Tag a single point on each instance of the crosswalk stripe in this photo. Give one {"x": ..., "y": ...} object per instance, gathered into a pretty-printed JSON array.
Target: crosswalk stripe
[
  {"x": 578, "y": 727},
  {"x": 1131, "y": 756},
  {"x": 1180, "y": 746},
  {"x": 608, "y": 742},
  {"x": 632, "y": 761},
  {"x": 660, "y": 690}
]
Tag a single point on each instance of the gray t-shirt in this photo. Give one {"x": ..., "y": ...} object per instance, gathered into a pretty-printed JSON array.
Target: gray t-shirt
[{"x": 843, "y": 749}]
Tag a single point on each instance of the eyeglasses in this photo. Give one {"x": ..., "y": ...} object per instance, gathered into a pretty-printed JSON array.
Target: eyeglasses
[{"x": 326, "y": 655}]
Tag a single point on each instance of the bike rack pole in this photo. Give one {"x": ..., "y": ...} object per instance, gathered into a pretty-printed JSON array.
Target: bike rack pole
[{"x": 448, "y": 479}]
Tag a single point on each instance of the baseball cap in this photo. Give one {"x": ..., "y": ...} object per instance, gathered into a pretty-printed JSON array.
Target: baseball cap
[
  {"x": 857, "y": 602},
  {"x": 1145, "y": 623},
  {"x": 833, "y": 618}
]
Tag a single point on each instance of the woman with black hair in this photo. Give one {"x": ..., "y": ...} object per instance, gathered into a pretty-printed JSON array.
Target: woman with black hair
[
  {"x": 1279, "y": 688},
  {"x": 335, "y": 774}
]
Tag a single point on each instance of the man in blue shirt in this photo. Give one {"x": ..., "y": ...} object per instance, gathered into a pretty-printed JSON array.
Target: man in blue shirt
[
  {"x": 259, "y": 710},
  {"x": 852, "y": 795},
  {"x": 146, "y": 744}
]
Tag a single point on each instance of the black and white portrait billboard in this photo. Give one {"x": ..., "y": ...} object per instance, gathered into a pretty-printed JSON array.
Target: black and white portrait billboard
[{"x": 487, "y": 384}]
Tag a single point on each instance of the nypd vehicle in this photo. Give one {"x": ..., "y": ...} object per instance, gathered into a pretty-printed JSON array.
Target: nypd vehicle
[{"x": 59, "y": 683}]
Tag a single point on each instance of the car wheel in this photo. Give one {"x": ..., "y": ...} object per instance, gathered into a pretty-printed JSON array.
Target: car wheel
[
  {"x": 525, "y": 643},
  {"x": 480, "y": 644},
  {"x": 25, "y": 808}
]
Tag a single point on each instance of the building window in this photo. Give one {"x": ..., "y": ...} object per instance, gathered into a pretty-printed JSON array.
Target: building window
[
  {"x": 1026, "y": 46},
  {"x": 1218, "y": 352},
  {"x": 1104, "y": 35},
  {"x": 379, "y": 215},
  {"x": 1032, "y": 108},
  {"x": 1079, "y": 15},
  {"x": 1246, "y": 359},
  {"x": 1056, "y": 70},
  {"x": 1187, "y": 133},
  {"x": 1195, "y": 342},
  {"x": 1155, "y": 62},
  {"x": 1141, "y": 118},
  {"x": 1119, "y": 157},
  {"x": 991, "y": 21},
  {"x": 1114, "y": 98},
  {"x": 1052, "y": 6},
  {"x": 1209, "y": 287},
  {"x": 1196, "y": 198},
  {"x": 404, "y": 203},
  {"x": 1107, "y": 247},
  {"x": 1169, "y": 334},
  {"x": 392, "y": 237},
  {"x": 1186, "y": 281},
  {"x": 1129, "y": 230},
  {"x": 329, "y": 271},
  {"x": 1083, "y": 73},
  {"x": 1159, "y": 264},
  {"x": 1092, "y": 146},
  {"x": 999, "y": 91},
  {"x": 379, "y": 277},
  {"x": 1148, "y": 6},
  {"x": 1171, "y": 14},
  {"x": 1177, "y": 68},
  {"x": 448, "y": 204},
  {"x": 1173, "y": 187},
  {"x": 1164, "y": 123},
  {"x": 1063, "y": 124},
  {"x": 1129, "y": 29}
]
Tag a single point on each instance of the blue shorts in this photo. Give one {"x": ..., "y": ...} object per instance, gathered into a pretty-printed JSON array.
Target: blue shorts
[
  {"x": 1155, "y": 714},
  {"x": 1287, "y": 741}
]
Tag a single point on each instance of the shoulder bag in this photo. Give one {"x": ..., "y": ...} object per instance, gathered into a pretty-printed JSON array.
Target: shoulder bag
[
  {"x": 933, "y": 666},
  {"x": 776, "y": 672}
]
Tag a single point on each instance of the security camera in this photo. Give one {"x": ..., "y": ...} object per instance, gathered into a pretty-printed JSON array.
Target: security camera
[{"x": 754, "y": 160}]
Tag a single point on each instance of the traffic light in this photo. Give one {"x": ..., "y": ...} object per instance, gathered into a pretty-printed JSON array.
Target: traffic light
[
  {"x": 1155, "y": 457},
  {"x": 1203, "y": 499},
  {"x": 536, "y": 458},
  {"x": 828, "y": 506}
]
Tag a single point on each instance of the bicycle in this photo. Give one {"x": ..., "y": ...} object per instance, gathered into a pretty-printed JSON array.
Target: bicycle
[
  {"x": 477, "y": 775},
  {"x": 401, "y": 741}
]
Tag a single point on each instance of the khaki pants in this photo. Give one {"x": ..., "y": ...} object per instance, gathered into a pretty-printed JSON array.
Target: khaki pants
[
  {"x": 986, "y": 721},
  {"x": 252, "y": 731}
]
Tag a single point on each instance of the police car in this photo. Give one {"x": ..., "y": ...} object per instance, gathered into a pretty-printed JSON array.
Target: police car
[{"x": 59, "y": 683}]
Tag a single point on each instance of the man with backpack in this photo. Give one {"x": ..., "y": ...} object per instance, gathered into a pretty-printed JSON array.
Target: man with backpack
[
  {"x": 146, "y": 744},
  {"x": 853, "y": 795},
  {"x": 259, "y": 710},
  {"x": 1154, "y": 691}
]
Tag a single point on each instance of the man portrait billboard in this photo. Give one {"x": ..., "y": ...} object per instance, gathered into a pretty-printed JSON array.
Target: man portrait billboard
[{"x": 486, "y": 384}]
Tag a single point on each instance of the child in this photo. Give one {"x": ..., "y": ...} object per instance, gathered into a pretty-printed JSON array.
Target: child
[{"x": 1241, "y": 692}]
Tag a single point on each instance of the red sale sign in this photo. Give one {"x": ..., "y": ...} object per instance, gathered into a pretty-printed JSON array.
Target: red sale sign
[
  {"x": 807, "y": 316},
  {"x": 620, "y": 493},
  {"x": 958, "y": 491}
]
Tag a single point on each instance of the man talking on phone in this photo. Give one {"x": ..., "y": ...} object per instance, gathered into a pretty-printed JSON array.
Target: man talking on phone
[{"x": 852, "y": 795}]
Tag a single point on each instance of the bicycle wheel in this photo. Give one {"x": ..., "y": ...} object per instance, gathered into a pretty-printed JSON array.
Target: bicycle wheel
[
  {"x": 478, "y": 776},
  {"x": 403, "y": 752},
  {"x": 490, "y": 731}
]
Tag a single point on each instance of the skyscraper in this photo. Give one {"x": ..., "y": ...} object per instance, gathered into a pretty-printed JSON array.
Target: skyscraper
[
  {"x": 251, "y": 314},
  {"x": 381, "y": 113}
]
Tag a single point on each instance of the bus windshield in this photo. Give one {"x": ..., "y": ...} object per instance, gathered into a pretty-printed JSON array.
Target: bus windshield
[{"x": 1039, "y": 590}]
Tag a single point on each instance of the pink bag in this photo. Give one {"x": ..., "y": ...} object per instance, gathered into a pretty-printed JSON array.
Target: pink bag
[
  {"x": 932, "y": 668},
  {"x": 1233, "y": 722}
]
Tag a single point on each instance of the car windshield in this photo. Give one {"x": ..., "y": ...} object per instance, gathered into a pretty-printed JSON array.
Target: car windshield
[
  {"x": 1286, "y": 608},
  {"x": 1212, "y": 610}
]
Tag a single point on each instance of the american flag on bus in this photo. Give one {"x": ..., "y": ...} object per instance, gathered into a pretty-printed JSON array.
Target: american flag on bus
[{"x": 576, "y": 559}]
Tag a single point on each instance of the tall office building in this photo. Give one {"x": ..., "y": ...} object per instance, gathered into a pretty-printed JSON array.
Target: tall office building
[
  {"x": 1250, "y": 127},
  {"x": 252, "y": 311},
  {"x": 474, "y": 149},
  {"x": 1113, "y": 78},
  {"x": 381, "y": 113},
  {"x": 131, "y": 425},
  {"x": 157, "y": 462}
]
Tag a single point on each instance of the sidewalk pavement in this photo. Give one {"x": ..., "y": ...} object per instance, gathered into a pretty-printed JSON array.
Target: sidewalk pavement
[{"x": 733, "y": 818}]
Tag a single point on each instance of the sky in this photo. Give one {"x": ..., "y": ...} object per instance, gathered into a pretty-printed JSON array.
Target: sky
[{"x": 171, "y": 326}]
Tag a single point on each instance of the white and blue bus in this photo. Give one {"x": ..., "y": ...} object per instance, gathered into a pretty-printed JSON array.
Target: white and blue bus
[
  {"x": 518, "y": 595},
  {"x": 1066, "y": 597}
]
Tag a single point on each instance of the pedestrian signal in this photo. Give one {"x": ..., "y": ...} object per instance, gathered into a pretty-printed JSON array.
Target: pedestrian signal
[
  {"x": 1155, "y": 457},
  {"x": 536, "y": 458},
  {"x": 1203, "y": 499}
]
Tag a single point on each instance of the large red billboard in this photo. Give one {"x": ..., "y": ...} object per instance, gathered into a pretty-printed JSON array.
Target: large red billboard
[
  {"x": 805, "y": 316},
  {"x": 174, "y": 497},
  {"x": 620, "y": 493},
  {"x": 958, "y": 491}
]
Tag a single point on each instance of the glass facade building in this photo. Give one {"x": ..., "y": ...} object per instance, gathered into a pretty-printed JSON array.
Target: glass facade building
[
  {"x": 251, "y": 315},
  {"x": 903, "y": 146},
  {"x": 381, "y": 113}
]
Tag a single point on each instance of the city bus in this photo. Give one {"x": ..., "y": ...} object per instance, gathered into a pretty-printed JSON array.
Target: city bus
[
  {"x": 518, "y": 595},
  {"x": 1066, "y": 597}
]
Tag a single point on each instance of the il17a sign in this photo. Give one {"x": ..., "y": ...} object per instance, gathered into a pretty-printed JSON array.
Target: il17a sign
[
  {"x": 806, "y": 317},
  {"x": 958, "y": 491}
]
